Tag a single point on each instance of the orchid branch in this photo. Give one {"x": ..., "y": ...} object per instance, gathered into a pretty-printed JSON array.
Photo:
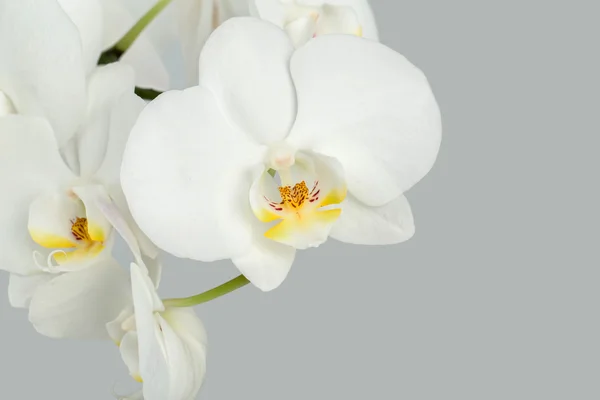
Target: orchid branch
[
  {"x": 114, "y": 53},
  {"x": 209, "y": 295}
]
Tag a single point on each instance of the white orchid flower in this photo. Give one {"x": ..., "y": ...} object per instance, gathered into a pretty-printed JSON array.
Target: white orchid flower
[
  {"x": 166, "y": 53},
  {"x": 305, "y": 19},
  {"x": 347, "y": 124},
  {"x": 163, "y": 347},
  {"x": 53, "y": 238}
]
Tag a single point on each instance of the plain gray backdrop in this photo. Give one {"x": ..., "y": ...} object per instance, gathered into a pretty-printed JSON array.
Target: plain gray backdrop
[{"x": 496, "y": 297}]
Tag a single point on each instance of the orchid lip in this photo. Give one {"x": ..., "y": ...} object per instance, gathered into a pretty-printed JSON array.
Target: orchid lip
[{"x": 61, "y": 223}]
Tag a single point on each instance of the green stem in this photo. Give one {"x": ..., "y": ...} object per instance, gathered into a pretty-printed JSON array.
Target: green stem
[
  {"x": 115, "y": 53},
  {"x": 212, "y": 294},
  {"x": 139, "y": 27}
]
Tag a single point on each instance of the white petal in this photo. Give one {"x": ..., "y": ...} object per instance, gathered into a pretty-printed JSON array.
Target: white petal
[
  {"x": 122, "y": 118},
  {"x": 154, "y": 368},
  {"x": 131, "y": 355},
  {"x": 269, "y": 10},
  {"x": 99, "y": 198},
  {"x": 150, "y": 70},
  {"x": 22, "y": 287},
  {"x": 27, "y": 146},
  {"x": 245, "y": 63},
  {"x": 185, "y": 346},
  {"x": 144, "y": 290},
  {"x": 80, "y": 304},
  {"x": 365, "y": 16},
  {"x": 267, "y": 264},
  {"x": 367, "y": 106},
  {"x": 116, "y": 328},
  {"x": 44, "y": 74},
  {"x": 107, "y": 86},
  {"x": 87, "y": 16},
  {"x": 186, "y": 324},
  {"x": 232, "y": 8},
  {"x": 194, "y": 20},
  {"x": 121, "y": 207},
  {"x": 51, "y": 218},
  {"x": 339, "y": 19},
  {"x": 301, "y": 30},
  {"x": 361, "y": 224},
  {"x": 185, "y": 160},
  {"x": 263, "y": 196}
]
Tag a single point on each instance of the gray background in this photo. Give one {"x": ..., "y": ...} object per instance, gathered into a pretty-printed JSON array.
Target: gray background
[{"x": 496, "y": 297}]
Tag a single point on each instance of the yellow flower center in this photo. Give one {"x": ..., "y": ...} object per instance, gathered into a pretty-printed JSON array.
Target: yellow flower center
[
  {"x": 80, "y": 230},
  {"x": 294, "y": 197}
]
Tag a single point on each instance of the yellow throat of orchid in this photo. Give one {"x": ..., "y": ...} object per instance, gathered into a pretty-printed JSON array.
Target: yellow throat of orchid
[{"x": 85, "y": 241}]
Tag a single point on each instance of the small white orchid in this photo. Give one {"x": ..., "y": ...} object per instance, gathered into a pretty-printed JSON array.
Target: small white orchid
[
  {"x": 163, "y": 347},
  {"x": 165, "y": 55},
  {"x": 346, "y": 124},
  {"x": 305, "y": 19}
]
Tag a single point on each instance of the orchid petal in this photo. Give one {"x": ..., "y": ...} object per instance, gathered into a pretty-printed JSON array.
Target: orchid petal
[
  {"x": 170, "y": 341},
  {"x": 245, "y": 63},
  {"x": 42, "y": 69},
  {"x": 22, "y": 287},
  {"x": 107, "y": 86},
  {"x": 150, "y": 70},
  {"x": 87, "y": 16},
  {"x": 130, "y": 353},
  {"x": 30, "y": 164},
  {"x": 339, "y": 19},
  {"x": 364, "y": 12},
  {"x": 154, "y": 368},
  {"x": 232, "y": 8},
  {"x": 301, "y": 30},
  {"x": 267, "y": 263},
  {"x": 268, "y": 10},
  {"x": 116, "y": 328},
  {"x": 184, "y": 338},
  {"x": 310, "y": 231},
  {"x": 178, "y": 139},
  {"x": 79, "y": 304},
  {"x": 361, "y": 224},
  {"x": 122, "y": 118},
  {"x": 194, "y": 22},
  {"x": 97, "y": 196},
  {"x": 368, "y": 107},
  {"x": 138, "y": 243},
  {"x": 51, "y": 218}
]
